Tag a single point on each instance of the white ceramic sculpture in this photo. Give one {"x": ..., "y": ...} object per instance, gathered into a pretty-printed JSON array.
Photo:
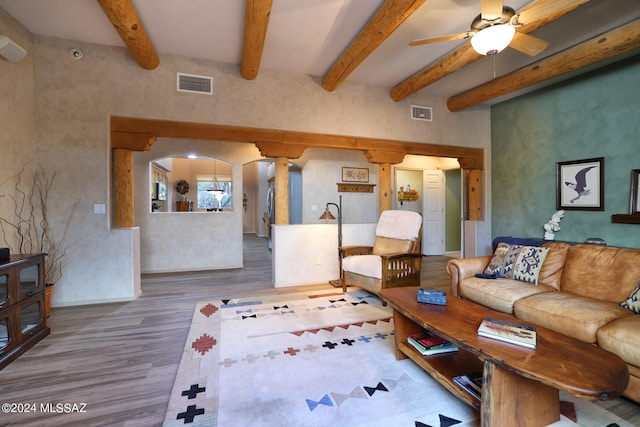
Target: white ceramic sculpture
[{"x": 553, "y": 225}]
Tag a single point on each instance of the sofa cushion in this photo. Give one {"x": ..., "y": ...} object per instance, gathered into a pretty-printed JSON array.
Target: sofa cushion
[
  {"x": 386, "y": 245},
  {"x": 603, "y": 272},
  {"x": 401, "y": 225},
  {"x": 572, "y": 315},
  {"x": 365, "y": 265},
  {"x": 551, "y": 271},
  {"x": 498, "y": 294},
  {"x": 632, "y": 303},
  {"x": 622, "y": 338}
]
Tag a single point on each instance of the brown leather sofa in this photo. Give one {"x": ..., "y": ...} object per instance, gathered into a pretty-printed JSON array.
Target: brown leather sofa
[{"x": 578, "y": 294}]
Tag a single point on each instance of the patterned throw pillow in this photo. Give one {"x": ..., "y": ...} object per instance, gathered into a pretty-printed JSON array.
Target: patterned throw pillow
[
  {"x": 528, "y": 264},
  {"x": 497, "y": 261},
  {"x": 510, "y": 260},
  {"x": 633, "y": 302},
  {"x": 517, "y": 262}
]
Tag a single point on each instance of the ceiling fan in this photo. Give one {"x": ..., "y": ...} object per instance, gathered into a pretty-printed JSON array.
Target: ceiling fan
[{"x": 495, "y": 29}]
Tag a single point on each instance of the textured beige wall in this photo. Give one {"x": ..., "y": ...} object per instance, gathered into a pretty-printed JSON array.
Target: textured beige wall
[
  {"x": 73, "y": 102},
  {"x": 16, "y": 116}
]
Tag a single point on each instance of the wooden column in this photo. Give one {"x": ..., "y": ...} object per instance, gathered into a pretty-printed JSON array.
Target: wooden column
[
  {"x": 385, "y": 186},
  {"x": 122, "y": 188},
  {"x": 474, "y": 192},
  {"x": 282, "y": 190}
]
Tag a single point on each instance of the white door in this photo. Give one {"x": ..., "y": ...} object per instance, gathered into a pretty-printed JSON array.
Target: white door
[{"x": 433, "y": 226}]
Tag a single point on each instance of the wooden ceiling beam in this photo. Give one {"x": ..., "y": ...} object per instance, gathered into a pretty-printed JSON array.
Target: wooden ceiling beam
[
  {"x": 390, "y": 15},
  {"x": 465, "y": 55},
  {"x": 608, "y": 45},
  {"x": 124, "y": 17},
  {"x": 256, "y": 23}
]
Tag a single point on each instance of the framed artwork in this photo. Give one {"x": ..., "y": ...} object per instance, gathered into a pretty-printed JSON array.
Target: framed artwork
[
  {"x": 355, "y": 174},
  {"x": 634, "y": 199},
  {"x": 580, "y": 185}
]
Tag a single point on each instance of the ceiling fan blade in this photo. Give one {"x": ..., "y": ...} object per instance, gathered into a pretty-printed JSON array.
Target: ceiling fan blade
[
  {"x": 539, "y": 13},
  {"x": 459, "y": 36},
  {"x": 527, "y": 44},
  {"x": 491, "y": 9}
]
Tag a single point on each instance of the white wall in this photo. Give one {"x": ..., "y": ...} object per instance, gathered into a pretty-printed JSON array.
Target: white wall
[
  {"x": 188, "y": 241},
  {"x": 73, "y": 100},
  {"x": 16, "y": 115},
  {"x": 307, "y": 254}
]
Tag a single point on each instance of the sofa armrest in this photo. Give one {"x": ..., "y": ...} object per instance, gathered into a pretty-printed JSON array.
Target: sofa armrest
[{"x": 462, "y": 268}]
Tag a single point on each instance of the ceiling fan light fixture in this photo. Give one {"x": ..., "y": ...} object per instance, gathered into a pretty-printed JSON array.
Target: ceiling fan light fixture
[{"x": 493, "y": 39}]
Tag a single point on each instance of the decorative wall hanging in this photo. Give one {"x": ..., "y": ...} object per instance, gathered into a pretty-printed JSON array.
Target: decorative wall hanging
[
  {"x": 355, "y": 174},
  {"x": 580, "y": 185}
]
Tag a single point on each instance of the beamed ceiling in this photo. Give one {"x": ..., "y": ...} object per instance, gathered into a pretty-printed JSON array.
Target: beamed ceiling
[{"x": 363, "y": 41}]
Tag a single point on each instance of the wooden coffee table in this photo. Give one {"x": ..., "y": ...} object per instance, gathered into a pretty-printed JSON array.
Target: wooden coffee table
[{"x": 520, "y": 385}]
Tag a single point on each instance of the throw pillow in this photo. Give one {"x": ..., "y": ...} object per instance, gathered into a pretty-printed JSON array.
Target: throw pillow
[
  {"x": 510, "y": 260},
  {"x": 633, "y": 301},
  {"x": 497, "y": 261},
  {"x": 528, "y": 263}
]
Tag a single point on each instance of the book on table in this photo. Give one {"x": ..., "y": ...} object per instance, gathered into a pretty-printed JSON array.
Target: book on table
[
  {"x": 427, "y": 344},
  {"x": 472, "y": 384},
  {"x": 507, "y": 331}
]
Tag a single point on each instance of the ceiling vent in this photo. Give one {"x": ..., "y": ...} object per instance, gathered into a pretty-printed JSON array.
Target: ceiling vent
[
  {"x": 195, "y": 84},
  {"x": 421, "y": 113}
]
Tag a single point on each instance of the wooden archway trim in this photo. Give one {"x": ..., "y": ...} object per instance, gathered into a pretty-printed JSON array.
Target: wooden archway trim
[
  {"x": 229, "y": 133},
  {"x": 134, "y": 134}
]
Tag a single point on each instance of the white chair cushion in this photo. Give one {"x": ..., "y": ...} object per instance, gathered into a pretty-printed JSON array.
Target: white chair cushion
[
  {"x": 403, "y": 225},
  {"x": 366, "y": 265}
]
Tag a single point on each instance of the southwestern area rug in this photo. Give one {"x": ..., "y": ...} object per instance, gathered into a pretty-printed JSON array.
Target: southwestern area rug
[{"x": 313, "y": 359}]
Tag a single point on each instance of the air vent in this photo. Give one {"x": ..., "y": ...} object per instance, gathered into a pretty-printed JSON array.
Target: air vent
[
  {"x": 421, "y": 113},
  {"x": 195, "y": 84}
]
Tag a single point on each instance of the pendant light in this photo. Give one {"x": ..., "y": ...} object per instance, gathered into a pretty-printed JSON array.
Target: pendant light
[{"x": 217, "y": 189}]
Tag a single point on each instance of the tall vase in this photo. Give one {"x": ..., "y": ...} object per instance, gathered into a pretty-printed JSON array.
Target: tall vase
[{"x": 48, "y": 290}]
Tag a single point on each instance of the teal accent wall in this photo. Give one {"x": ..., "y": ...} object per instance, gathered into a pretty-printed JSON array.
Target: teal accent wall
[
  {"x": 594, "y": 115},
  {"x": 453, "y": 209}
]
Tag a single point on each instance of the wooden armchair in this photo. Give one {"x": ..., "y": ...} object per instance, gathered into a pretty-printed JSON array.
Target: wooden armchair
[{"x": 394, "y": 259}]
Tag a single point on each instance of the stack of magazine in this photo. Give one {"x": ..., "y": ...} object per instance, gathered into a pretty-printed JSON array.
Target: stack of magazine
[
  {"x": 427, "y": 344},
  {"x": 472, "y": 384},
  {"x": 504, "y": 330}
]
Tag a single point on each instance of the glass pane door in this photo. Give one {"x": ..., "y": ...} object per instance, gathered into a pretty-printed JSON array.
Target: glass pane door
[{"x": 29, "y": 279}]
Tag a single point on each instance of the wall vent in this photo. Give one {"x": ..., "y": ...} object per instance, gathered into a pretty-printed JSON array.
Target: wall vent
[
  {"x": 195, "y": 84},
  {"x": 421, "y": 113}
]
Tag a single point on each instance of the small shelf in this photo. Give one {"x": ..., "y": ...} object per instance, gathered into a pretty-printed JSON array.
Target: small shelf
[
  {"x": 408, "y": 196},
  {"x": 626, "y": 218},
  {"x": 355, "y": 188}
]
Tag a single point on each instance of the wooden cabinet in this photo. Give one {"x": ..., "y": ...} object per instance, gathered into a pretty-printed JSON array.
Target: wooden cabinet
[{"x": 23, "y": 320}]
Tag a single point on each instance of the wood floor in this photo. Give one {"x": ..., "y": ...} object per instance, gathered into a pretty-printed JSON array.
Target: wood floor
[{"x": 121, "y": 359}]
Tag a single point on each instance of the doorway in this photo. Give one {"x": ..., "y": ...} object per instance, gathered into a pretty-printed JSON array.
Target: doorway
[{"x": 437, "y": 196}]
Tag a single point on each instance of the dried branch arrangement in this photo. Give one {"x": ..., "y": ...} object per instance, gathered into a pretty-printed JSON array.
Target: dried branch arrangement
[{"x": 24, "y": 224}]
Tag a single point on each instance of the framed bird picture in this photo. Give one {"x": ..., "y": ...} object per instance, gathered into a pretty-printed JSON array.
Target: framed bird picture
[{"x": 580, "y": 185}]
